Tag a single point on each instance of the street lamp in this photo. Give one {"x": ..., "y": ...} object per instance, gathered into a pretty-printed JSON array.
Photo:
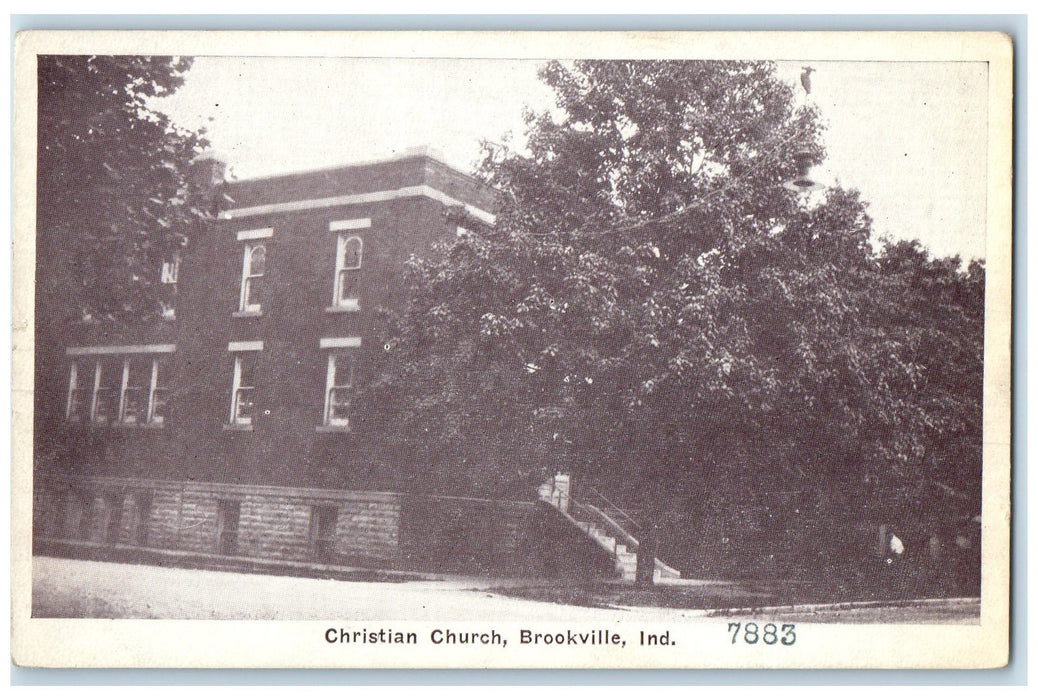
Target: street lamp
[{"x": 803, "y": 182}]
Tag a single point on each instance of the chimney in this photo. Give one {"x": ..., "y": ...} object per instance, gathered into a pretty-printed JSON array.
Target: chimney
[{"x": 207, "y": 174}]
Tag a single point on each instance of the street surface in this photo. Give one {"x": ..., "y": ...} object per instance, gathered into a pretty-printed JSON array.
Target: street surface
[
  {"x": 78, "y": 588},
  {"x": 89, "y": 589}
]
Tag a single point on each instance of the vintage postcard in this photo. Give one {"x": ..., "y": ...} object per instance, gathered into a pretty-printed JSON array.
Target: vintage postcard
[{"x": 529, "y": 350}]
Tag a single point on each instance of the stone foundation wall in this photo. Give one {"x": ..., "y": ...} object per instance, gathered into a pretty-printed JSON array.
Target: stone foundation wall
[
  {"x": 352, "y": 528},
  {"x": 250, "y": 521}
]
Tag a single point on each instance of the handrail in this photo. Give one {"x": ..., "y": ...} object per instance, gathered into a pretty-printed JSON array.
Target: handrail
[
  {"x": 618, "y": 529},
  {"x": 612, "y": 505},
  {"x": 596, "y": 516}
]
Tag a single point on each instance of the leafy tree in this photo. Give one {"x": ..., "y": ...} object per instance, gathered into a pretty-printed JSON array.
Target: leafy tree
[
  {"x": 938, "y": 310},
  {"x": 114, "y": 196},
  {"x": 655, "y": 313},
  {"x": 115, "y": 199}
]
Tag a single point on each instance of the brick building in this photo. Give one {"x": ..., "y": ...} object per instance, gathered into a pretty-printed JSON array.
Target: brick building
[{"x": 223, "y": 428}]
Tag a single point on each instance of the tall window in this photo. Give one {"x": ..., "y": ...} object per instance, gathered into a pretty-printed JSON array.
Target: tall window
[
  {"x": 254, "y": 266},
  {"x": 80, "y": 390},
  {"x": 107, "y": 386},
  {"x": 348, "y": 259},
  {"x": 159, "y": 392},
  {"x": 338, "y": 389},
  {"x": 171, "y": 270},
  {"x": 243, "y": 389},
  {"x": 170, "y": 274},
  {"x": 136, "y": 390},
  {"x": 144, "y": 391}
]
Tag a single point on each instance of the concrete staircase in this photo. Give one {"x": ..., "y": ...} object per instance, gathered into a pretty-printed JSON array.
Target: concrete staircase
[
  {"x": 625, "y": 560},
  {"x": 602, "y": 525}
]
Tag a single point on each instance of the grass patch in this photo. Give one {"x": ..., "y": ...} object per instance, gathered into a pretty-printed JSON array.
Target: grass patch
[
  {"x": 614, "y": 595},
  {"x": 707, "y": 596}
]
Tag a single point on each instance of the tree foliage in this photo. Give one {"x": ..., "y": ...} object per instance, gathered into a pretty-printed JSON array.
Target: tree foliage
[
  {"x": 116, "y": 197},
  {"x": 656, "y": 314},
  {"x": 114, "y": 194}
]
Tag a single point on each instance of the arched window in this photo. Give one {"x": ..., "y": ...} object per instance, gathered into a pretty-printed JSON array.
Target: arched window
[
  {"x": 255, "y": 266},
  {"x": 352, "y": 248},
  {"x": 347, "y": 266},
  {"x": 258, "y": 260}
]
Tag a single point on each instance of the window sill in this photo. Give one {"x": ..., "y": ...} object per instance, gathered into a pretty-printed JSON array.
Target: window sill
[
  {"x": 96, "y": 425},
  {"x": 85, "y": 424},
  {"x": 333, "y": 428},
  {"x": 236, "y": 427},
  {"x": 343, "y": 309},
  {"x": 246, "y": 314}
]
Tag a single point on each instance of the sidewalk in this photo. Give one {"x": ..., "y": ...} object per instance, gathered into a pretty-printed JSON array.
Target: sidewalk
[{"x": 924, "y": 610}]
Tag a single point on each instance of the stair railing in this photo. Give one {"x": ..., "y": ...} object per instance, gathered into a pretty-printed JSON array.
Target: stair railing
[
  {"x": 588, "y": 516},
  {"x": 626, "y": 516},
  {"x": 632, "y": 542},
  {"x": 594, "y": 516}
]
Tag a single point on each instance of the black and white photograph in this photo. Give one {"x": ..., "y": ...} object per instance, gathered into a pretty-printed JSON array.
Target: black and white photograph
[{"x": 512, "y": 350}]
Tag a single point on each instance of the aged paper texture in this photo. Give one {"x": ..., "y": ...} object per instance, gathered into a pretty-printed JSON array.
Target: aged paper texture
[{"x": 513, "y": 350}]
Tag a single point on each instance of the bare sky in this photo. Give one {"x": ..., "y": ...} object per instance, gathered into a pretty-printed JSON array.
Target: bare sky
[{"x": 910, "y": 136}]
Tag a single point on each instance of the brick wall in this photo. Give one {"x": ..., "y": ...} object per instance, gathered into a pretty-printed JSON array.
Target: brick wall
[
  {"x": 284, "y": 447},
  {"x": 474, "y": 535}
]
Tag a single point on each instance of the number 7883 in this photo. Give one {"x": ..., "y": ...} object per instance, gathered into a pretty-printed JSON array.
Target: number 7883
[{"x": 770, "y": 633}]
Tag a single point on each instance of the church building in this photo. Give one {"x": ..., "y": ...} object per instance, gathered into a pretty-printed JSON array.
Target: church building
[{"x": 221, "y": 432}]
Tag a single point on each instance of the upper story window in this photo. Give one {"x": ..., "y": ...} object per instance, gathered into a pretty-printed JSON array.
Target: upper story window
[
  {"x": 254, "y": 268},
  {"x": 118, "y": 385},
  {"x": 352, "y": 248},
  {"x": 170, "y": 275},
  {"x": 171, "y": 270},
  {"x": 349, "y": 257},
  {"x": 347, "y": 270}
]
